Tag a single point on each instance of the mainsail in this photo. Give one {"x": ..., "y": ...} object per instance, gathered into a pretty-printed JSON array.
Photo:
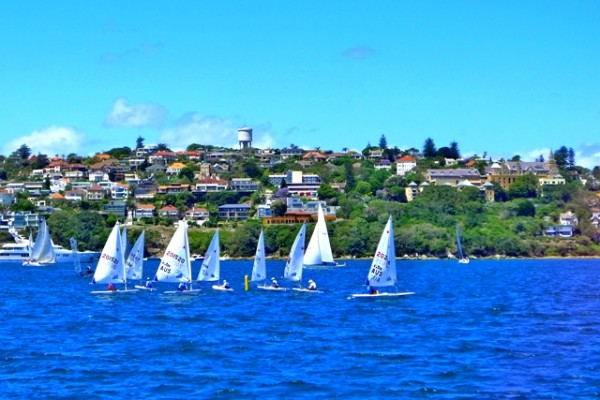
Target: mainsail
[
  {"x": 293, "y": 266},
  {"x": 318, "y": 251},
  {"x": 259, "y": 269},
  {"x": 211, "y": 265},
  {"x": 111, "y": 266},
  {"x": 383, "y": 266},
  {"x": 135, "y": 260},
  {"x": 175, "y": 265}
]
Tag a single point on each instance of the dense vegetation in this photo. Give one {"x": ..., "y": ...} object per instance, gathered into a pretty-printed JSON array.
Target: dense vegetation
[{"x": 512, "y": 226}]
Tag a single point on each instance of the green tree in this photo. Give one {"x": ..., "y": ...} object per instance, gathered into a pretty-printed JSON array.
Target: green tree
[
  {"x": 429, "y": 149},
  {"x": 326, "y": 192},
  {"x": 279, "y": 208},
  {"x": 186, "y": 173},
  {"x": 363, "y": 188},
  {"x": 119, "y": 152},
  {"x": 139, "y": 142},
  {"x": 349, "y": 177},
  {"x": 383, "y": 142},
  {"x": 23, "y": 152},
  {"x": 455, "y": 152},
  {"x": 525, "y": 208},
  {"x": 525, "y": 186}
]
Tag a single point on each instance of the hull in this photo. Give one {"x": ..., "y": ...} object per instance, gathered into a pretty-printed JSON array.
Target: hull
[
  {"x": 221, "y": 288},
  {"x": 66, "y": 257},
  {"x": 379, "y": 295},
  {"x": 272, "y": 288},
  {"x": 305, "y": 290}
]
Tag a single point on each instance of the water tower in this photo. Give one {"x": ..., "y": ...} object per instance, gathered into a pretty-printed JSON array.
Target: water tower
[{"x": 245, "y": 138}]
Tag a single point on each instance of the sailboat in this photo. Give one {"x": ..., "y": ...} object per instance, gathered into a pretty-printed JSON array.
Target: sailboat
[
  {"x": 259, "y": 268},
  {"x": 383, "y": 267},
  {"x": 134, "y": 265},
  {"x": 462, "y": 259},
  {"x": 318, "y": 251},
  {"x": 42, "y": 252},
  {"x": 293, "y": 265},
  {"x": 210, "y": 270},
  {"x": 111, "y": 266},
  {"x": 175, "y": 265}
]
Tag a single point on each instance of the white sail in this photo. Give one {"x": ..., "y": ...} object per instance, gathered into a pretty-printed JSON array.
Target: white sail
[
  {"x": 135, "y": 260},
  {"x": 211, "y": 265},
  {"x": 126, "y": 246},
  {"x": 461, "y": 256},
  {"x": 383, "y": 266},
  {"x": 175, "y": 265},
  {"x": 293, "y": 266},
  {"x": 318, "y": 251},
  {"x": 259, "y": 269},
  {"x": 43, "y": 250},
  {"x": 111, "y": 266}
]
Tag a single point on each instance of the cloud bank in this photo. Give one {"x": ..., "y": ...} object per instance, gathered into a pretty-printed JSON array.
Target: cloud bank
[
  {"x": 50, "y": 141},
  {"x": 136, "y": 115},
  {"x": 211, "y": 130}
]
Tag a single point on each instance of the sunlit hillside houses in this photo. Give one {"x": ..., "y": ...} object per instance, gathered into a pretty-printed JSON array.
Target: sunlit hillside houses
[
  {"x": 505, "y": 173},
  {"x": 405, "y": 164},
  {"x": 298, "y": 183}
]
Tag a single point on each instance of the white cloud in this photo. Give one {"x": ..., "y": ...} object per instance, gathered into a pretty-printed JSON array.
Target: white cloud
[
  {"x": 136, "y": 115},
  {"x": 535, "y": 154},
  {"x": 50, "y": 141},
  {"x": 194, "y": 128},
  {"x": 588, "y": 155},
  {"x": 211, "y": 130}
]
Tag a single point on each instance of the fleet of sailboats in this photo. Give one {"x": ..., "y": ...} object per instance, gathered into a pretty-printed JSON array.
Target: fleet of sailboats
[{"x": 175, "y": 265}]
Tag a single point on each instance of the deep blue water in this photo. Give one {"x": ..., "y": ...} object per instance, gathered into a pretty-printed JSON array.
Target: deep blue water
[{"x": 489, "y": 329}]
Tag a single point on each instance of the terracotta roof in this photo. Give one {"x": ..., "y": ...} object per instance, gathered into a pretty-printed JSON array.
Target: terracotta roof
[{"x": 146, "y": 207}]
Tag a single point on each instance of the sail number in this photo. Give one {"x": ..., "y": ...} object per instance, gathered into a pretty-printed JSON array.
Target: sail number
[
  {"x": 376, "y": 272},
  {"x": 166, "y": 268}
]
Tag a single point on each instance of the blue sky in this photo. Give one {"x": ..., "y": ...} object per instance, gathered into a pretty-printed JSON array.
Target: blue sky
[{"x": 498, "y": 77}]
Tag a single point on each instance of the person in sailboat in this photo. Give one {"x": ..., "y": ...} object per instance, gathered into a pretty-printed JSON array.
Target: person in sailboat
[
  {"x": 182, "y": 287},
  {"x": 225, "y": 285},
  {"x": 111, "y": 287},
  {"x": 148, "y": 283},
  {"x": 274, "y": 282},
  {"x": 89, "y": 270},
  {"x": 312, "y": 285},
  {"x": 371, "y": 289}
]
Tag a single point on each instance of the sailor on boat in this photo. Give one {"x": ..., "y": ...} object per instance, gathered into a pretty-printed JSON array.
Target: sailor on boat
[
  {"x": 274, "y": 282},
  {"x": 312, "y": 285},
  {"x": 182, "y": 287},
  {"x": 148, "y": 283},
  {"x": 225, "y": 285}
]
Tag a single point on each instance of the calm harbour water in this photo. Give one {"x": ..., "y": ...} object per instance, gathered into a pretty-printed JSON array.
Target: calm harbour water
[{"x": 489, "y": 329}]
